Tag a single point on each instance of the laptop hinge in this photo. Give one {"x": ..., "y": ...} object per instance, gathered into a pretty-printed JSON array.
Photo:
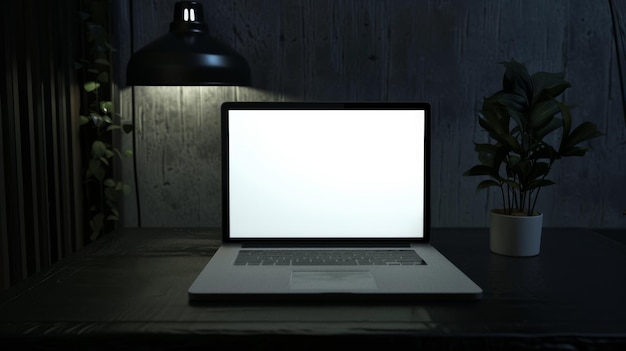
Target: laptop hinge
[{"x": 326, "y": 244}]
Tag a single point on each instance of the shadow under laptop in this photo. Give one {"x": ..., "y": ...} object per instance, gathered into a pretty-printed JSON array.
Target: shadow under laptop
[
  {"x": 323, "y": 299},
  {"x": 328, "y": 317}
]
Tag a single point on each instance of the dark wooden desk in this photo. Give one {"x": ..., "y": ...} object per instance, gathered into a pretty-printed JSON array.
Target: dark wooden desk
[{"x": 129, "y": 290}]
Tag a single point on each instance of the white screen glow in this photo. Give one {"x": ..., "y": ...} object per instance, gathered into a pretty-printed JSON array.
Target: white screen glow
[{"x": 326, "y": 173}]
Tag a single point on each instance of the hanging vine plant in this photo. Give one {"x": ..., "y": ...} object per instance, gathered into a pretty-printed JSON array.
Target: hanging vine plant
[{"x": 99, "y": 122}]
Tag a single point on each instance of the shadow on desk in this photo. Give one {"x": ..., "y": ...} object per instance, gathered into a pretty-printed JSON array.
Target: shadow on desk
[{"x": 129, "y": 291}]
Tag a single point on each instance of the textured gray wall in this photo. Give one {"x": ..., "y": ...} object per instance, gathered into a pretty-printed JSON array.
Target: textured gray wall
[{"x": 444, "y": 52}]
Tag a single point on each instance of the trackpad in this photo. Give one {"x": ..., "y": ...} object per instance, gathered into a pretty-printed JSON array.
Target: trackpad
[{"x": 332, "y": 280}]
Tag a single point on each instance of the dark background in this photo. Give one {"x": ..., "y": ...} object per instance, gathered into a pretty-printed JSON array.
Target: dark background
[{"x": 443, "y": 52}]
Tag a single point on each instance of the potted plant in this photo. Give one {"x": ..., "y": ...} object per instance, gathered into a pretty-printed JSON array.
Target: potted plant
[{"x": 529, "y": 130}]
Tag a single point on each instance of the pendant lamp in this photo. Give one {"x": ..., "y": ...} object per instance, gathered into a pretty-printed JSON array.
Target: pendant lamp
[{"x": 187, "y": 55}]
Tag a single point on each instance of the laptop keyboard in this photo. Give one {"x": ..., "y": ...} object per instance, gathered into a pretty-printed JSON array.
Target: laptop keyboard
[{"x": 327, "y": 258}]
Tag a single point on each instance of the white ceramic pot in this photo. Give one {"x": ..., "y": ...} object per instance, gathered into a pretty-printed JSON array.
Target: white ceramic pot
[{"x": 515, "y": 235}]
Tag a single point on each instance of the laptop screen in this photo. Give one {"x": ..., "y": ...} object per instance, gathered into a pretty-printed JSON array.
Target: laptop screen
[{"x": 325, "y": 170}]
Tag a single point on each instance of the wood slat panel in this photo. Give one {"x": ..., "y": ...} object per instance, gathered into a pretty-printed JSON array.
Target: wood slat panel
[{"x": 39, "y": 184}]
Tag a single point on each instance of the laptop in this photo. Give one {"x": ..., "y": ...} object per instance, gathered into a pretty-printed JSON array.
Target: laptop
[{"x": 330, "y": 201}]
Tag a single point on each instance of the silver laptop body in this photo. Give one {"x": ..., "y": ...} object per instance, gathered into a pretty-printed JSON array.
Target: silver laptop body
[{"x": 347, "y": 180}]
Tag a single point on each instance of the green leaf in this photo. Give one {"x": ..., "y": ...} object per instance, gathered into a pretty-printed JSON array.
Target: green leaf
[
  {"x": 513, "y": 160},
  {"x": 104, "y": 160},
  {"x": 554, "y": 124},
  {"x": 548, "y": 85},
  {"x": 115, "y": 211},
  {"x": 485, "y": 159},
  {"x": 490, "y": 122},
  {"x": 513, "y": 184},
  {"x": 567, "y": 121},
  {"x": 102, "y": 61},
  {"x": 516, "y": 79},
  {"x": 91, "y": 86},
  {"x": 113, "y": 127},
  {"x": 96, "y": 119},
  {"x": 128, "y": 153},
  {"x": 103, "y": 77},
  {"x": 98, "y": 148},
  {"x": 542, "y": 113},
  {"x": 487, "y": 183},
  {"x": 507, "y": 99},
  {"x": 584, "y": 131},
  {"x": 521, "y": 169},
  {"x": 511, "y": 142},
  {"x": 117, "y": 152},
  {"x": 486, "y": 153},
  {"x": 544, "y": 152},
  {"x": 518, "y": 117},
  {"x": 109, "y": 182},
  {"x": 573, "y": 151},
  {"x": 110, "y": 47},
  {"x": 128, "y": 128},
  {"x": 498, "y": 129},
  {"x": 106, "y": 106},
  {"x": 84, "y": 120},
  {"x": 108, "y": 153},
  {"x": 479, "y": 170},
  {"x": 126, "y": 189}
]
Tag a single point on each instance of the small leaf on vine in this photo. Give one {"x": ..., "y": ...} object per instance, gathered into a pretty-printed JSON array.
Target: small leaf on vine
[
  {"x": 91, "y": 86},
  {"x": 103, "y": 77},
  {"x": 106, "y": 106},
  {"x": 96, "y": 119},
  {"x": 84, "y": 120},
  {"x": 109, "y": 182},
  {"x": 128, "y": 128},
  {"x": 98, "y": 148},
  {"x": 102, "y": 61}
]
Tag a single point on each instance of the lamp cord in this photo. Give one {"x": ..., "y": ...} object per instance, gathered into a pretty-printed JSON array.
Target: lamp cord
[
  {"x": 134, "y": 119},
  {"x": 620, "y": 69}
]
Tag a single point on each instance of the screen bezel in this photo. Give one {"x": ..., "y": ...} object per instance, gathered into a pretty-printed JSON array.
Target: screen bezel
[{"x": 226, "y": 107}]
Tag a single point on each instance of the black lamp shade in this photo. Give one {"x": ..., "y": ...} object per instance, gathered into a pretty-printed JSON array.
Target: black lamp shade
[{"x": 187, "y": 55}]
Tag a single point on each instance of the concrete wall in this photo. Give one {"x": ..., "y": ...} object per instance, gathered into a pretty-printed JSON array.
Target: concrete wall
[{"x": 444, "y": 52}]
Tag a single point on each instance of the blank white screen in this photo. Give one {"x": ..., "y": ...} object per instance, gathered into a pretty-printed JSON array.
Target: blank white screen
[{"x": 326, "y": 173}]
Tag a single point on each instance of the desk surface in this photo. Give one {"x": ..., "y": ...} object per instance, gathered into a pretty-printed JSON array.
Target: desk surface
[{"x": 133, "y": 285}]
